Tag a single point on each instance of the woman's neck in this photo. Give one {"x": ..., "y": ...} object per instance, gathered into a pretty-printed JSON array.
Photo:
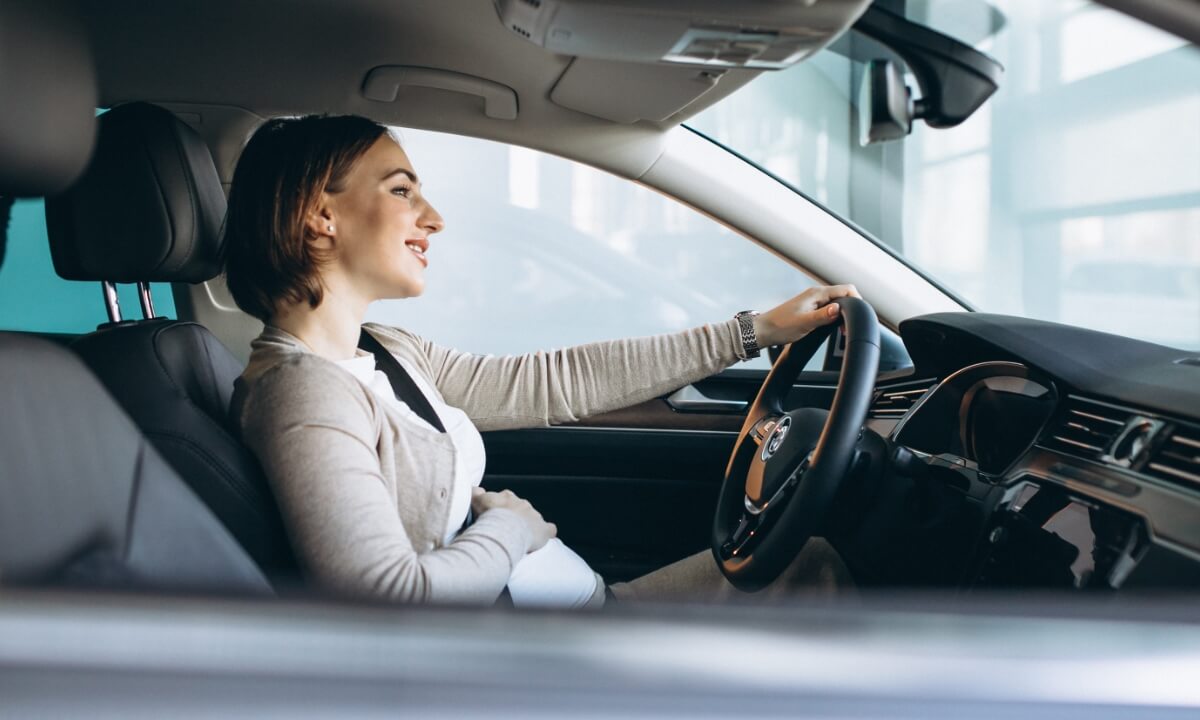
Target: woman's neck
[{"x": 330, "y": 330}]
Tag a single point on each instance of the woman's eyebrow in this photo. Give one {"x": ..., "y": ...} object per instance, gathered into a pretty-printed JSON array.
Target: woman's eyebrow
[{"x": 402, "y": 171}]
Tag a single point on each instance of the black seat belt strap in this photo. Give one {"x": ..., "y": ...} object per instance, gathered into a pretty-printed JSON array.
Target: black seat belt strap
[{"x": 406, "y": 390}]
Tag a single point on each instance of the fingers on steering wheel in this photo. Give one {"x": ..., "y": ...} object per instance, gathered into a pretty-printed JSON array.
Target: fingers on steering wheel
[{"x": 833, "y": 292}]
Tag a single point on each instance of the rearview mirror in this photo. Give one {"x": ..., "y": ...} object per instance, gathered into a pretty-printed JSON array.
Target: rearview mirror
[
  {"x": 954, "y": 78},
  {"x": 885, "y": 104}
]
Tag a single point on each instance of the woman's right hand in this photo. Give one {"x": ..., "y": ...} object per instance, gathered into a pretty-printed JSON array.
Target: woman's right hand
[{"x": 540, "y": 531}]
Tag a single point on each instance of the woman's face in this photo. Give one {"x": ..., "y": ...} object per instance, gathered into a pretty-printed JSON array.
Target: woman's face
[{"x": 382, "y": 225}]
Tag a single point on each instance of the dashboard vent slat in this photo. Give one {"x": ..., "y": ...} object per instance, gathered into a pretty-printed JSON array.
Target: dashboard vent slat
[
  {"x": 1087, "y": 429},
  {"x": 1177, "y": 460},
  {"x": 893, "y": 402}
]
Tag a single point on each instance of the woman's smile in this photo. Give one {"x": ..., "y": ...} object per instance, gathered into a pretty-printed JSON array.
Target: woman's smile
[{"x": 419, "y": 246}]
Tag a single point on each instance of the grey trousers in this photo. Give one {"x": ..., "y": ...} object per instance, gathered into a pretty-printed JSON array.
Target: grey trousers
[{"x": 817, "y": 572}]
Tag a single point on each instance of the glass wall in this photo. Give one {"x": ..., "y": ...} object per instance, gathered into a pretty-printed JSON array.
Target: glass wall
[{"x": 1072, "y": 195}]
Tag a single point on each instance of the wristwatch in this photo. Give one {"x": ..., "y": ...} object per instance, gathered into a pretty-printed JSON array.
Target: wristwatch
[{"x": 745, "y": 321}]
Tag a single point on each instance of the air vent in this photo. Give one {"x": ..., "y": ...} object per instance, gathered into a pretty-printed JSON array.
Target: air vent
[
  {"x": 893, "y": 402},
  {"x": 1178, "y": 459},
  {"x": 1088, "y": 428}
]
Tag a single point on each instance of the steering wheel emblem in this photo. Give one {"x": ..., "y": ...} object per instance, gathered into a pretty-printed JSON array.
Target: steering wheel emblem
[{"x": 775, "y": 439}]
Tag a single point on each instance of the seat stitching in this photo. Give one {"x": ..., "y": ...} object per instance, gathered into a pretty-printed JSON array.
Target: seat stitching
[
  {"x": 231, "y": 477},
  {"x": 189, "y": 180},
  {"x": 163, "y": 367},
  {"x": 131, "y": 509}
]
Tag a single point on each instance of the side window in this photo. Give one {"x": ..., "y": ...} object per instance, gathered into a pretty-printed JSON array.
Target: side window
[
  {"x": 540, "y": 252},
  {"x": 33, "y": 298}
]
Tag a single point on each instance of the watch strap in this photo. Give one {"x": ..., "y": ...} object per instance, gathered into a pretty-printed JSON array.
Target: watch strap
[{"x": 749, "y": 338}]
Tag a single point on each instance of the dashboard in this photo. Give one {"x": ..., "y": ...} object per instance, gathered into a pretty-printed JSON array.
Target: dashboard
[{"x": 1030, "y": 454}]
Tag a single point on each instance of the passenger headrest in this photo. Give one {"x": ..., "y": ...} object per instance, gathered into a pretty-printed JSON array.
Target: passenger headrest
[
  {"x": 48, "y": 123},
  {"x": 148, "y": 209}
]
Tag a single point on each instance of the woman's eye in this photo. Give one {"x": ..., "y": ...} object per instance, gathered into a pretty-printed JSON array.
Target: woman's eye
[{"x": 402, "y": 191}]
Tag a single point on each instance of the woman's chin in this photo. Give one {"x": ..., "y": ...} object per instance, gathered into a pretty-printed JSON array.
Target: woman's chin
[{"x": 408, "y": 290}]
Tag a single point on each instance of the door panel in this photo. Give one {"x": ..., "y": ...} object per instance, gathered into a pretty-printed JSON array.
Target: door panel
[{"x": 628, "y": 501}]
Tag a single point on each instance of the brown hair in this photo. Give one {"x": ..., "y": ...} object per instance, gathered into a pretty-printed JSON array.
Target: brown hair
[{"x": 269, "y": 252}]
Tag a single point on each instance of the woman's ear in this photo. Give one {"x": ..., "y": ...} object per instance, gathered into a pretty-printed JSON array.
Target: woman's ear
[{"x": 321, "y": 224}]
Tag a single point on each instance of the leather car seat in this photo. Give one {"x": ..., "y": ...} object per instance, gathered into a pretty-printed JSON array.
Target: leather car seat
[
  {"x": 149, "y": 209},
  {"x": 84, "y": 498}
]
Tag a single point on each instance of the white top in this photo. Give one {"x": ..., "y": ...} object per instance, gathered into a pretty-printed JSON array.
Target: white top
[{"x": 553, "y": 575}]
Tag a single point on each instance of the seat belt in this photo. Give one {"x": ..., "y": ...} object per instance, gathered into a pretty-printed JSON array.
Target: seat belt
[{"x": 406, "y": 390}]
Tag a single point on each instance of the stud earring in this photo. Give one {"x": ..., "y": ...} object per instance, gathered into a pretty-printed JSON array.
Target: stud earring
[{"x": 330, "y": 228}]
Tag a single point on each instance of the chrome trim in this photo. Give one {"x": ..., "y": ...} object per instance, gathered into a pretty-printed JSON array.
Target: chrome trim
[
  {"x": 111, "y": 303},
  {"x": 689, "y": 398},
  {"x": 1181, "y": 474},
  {"x": 764, "y": 427},
  {"x": 772, "y": 442},
  {"x": 1132, "y": 425},
  {"x": 1185, "y": 441},
  {"x": 593, "y": 428},
  {"x": 146, "y": 300},
  {"x": 1076, "y": 443},
  {"x": 1101, "y": 418},
  {"x": 877, "y": 413}
]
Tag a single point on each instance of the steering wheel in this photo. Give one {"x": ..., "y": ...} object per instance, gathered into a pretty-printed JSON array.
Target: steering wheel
[{"x": 786, "y": 466}]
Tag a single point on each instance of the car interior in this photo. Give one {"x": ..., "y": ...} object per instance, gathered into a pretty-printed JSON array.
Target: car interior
[
  {"x": 1032, "y": 486},
  {"x": 935, "y": 446}
]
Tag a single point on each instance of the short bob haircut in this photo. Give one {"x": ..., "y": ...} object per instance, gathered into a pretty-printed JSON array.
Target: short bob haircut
[{"x": 269, "y": 251}]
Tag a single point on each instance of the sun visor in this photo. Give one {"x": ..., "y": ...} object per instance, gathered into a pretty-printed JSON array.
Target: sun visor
[
  {"x": 752, "y": 34},
  {"x": 627, "y": 92}
]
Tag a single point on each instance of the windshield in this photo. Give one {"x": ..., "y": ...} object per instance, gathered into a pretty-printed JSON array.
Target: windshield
[{"x": 1072, "y": 195}]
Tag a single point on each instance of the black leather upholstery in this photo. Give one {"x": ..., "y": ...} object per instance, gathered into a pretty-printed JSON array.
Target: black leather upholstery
[
  {"x": 86, "y": 500},
  {"x": 175, "y": 380},
  {"x": 148, "y": 209},
  {"x": 47, "y": 126}
]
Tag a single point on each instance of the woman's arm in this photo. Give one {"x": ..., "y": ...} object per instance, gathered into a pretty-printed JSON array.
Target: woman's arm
[
  {"x": 314, "y": 429},
  {"x": 564, "y": 385}
]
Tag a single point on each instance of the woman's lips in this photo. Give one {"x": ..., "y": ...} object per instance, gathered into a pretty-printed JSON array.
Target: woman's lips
[{"x": 418, "y": 248}]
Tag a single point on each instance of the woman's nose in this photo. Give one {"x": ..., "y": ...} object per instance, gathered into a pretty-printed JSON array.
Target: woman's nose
[{"x": 431, "y": 220}]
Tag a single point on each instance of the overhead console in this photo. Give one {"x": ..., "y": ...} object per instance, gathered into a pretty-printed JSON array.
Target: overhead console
[
  {"x": 761, "y": 34},
  {"x": 649, "y": 59}
]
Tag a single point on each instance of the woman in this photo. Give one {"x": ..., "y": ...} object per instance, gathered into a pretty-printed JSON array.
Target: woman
[{"x": 326, "y": 215}]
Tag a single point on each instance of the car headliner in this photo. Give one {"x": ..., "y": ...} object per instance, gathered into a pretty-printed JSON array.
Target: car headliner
[{"x": 311, "y": 56}]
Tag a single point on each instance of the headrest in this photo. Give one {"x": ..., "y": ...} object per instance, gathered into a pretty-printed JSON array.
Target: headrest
[
  {"x": 148, "y": 209},
  {"x": 47, "y": 126}
]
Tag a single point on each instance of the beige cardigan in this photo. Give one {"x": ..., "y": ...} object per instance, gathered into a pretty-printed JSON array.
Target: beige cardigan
[{"x": 365, "y": 491}]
